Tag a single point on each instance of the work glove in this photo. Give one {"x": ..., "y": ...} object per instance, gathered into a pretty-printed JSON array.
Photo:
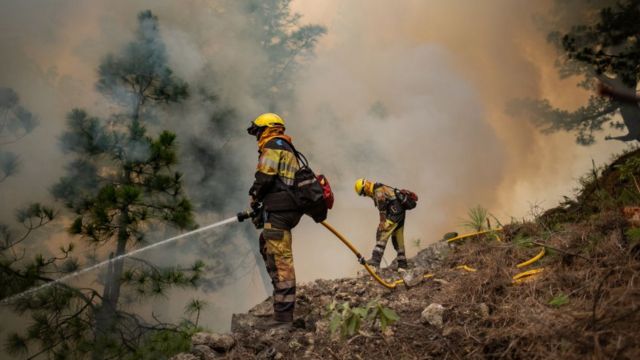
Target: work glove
[{"x": 257, "y": 217}]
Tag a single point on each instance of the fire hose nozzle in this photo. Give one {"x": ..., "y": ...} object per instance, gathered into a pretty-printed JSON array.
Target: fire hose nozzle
[
  {"x": 254, "y": 213},
  {"x": 244, "y": 215}
]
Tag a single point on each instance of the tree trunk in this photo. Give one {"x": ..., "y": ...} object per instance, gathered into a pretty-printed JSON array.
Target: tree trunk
[
  {"x": 630, "y": 113},
  {"x": 105, "y": 318}
]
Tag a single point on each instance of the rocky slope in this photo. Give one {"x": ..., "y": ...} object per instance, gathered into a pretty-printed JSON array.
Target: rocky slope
[{"x": 585, "y": 302}]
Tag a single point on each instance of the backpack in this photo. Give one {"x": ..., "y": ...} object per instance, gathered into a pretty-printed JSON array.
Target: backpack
[
  {"x": 407, "y": 198},
  {"x": 312, "y": 193}
]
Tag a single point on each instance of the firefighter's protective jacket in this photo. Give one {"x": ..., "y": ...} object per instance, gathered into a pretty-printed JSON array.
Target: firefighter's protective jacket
[
  {"x": 384, "y": 197},
  {"x": 275, "y": 174}
]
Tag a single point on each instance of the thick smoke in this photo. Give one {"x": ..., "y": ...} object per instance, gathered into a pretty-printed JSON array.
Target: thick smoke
[
  {"x": 412, "y": 95},
  {"x": 444, "y": 72}
]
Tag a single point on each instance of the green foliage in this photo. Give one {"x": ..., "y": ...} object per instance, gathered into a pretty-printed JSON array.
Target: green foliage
[
  {"x": 194, "y": 307},
  {"x": 384, "y": 315},
  {"x": 16, "y": 272},
  {"x": 602, "y": 48},
  {"x": 477, "y": 218},
  {"x": 592, "y": 242},
  {"x": 89, "y": 136},
  {"x": 15, "y": 123},
  {"x": 286, "y": 44},
  {"x": 164, "y": 343},
  {"x": 633, "y": 235},
  {"x": 629, "y": 171},
  {"x": 607, "y": 46},
  {"x": 9, "y": 164},
  {"x": 522, "y": 241},
  {"x": 559, "y": 300},
  {"x": 585, "y": 121},
  {"x": 605, "y": 200},
  {"x": 120, "y": 183},
  {"x": 348, "y": 320},
  {"x": 35, "y": 211},
  {"x": 16, "y": 345},
  {"x": 141, "y": 69}
]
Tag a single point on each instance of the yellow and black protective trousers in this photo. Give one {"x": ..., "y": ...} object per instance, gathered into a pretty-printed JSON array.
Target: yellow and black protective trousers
[
  {"x": 275, "y": 247},
  {"x": 389, "y": 229},
  {"x": 391, "y": 224}
]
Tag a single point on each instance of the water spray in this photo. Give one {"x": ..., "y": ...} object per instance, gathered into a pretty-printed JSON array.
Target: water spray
[{"x": 240, "y": 217}]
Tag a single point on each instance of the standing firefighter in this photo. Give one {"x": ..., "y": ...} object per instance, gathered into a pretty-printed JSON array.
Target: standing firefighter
[
  {"x": 274, "y": 179},
  {"x": 392, "y": 204}
]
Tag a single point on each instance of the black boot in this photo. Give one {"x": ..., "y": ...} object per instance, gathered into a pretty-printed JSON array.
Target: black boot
[
  {"x": 402, "y": 264},
  {"x": 374, "y": 263},
  {"x": 376, "y": 257}
]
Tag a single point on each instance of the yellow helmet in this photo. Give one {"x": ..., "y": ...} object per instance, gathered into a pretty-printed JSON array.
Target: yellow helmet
[
  {"x": 268, "y": 120},
  {"x": 264, "y": 121},
  {"x": 362, "y": 186}
]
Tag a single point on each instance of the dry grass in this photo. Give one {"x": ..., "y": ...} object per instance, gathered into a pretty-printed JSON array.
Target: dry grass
[{"x": 591, "y": 267}]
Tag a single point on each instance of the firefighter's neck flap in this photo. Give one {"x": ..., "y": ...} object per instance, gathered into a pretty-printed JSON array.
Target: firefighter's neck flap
[{"x": 270, "y": 133}]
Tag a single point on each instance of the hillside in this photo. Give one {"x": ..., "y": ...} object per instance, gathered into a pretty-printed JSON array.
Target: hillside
[{"x": 584, "y": 303}]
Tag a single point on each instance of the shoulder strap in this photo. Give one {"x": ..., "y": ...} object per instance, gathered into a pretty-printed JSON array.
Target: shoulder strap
[{"x": 300, "y": 156}]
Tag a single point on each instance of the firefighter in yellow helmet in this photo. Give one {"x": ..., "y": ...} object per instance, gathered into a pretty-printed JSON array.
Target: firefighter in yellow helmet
[
  {"x": 274, "y": 177},
  {"x": 392, "y": 217}
]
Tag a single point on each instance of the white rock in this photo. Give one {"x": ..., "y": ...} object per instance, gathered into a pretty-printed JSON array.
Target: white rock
[{"x": 432, "y": 315}]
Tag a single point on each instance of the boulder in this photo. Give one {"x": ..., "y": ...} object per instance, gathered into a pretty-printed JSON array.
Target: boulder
[
  {"x": 432, "y": 256},
  {"x": 243, "y": 322},
  {"x": 413, "y": 277},
  {"x": 263, "y": 309},
  {"x": 218, "y": 342},
  {"x": 203, "y": 352}
]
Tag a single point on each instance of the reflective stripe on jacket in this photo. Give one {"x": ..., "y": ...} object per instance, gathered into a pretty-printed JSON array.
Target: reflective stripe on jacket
[{"x": 276, "y": 161}]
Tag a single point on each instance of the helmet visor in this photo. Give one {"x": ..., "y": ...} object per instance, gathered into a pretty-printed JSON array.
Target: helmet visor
[{"x": 253, "y": 129}]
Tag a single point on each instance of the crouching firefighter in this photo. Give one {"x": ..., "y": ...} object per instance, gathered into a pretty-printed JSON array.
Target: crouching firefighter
[
  {"x": 274, "y": 179},
  {"x": 392, "y": 205}
]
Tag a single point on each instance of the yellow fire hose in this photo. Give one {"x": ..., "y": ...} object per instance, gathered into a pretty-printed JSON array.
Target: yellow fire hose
[
  {"x": 532, "y": 260},
  {"x": 526, "y": 275},
  {"x": 361, "y": 260},
  {"x": 359, "y": 256},
  {"x": 464, "y": 236},
  {"x": 530, "y": 274},
  {"x": 466, "y": 268},
  {"x": 517, "y": 279}
]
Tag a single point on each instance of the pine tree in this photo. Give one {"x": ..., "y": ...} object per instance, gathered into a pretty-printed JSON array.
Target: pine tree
[
  {"x": 16, "y": 122},
  {"x": 603, "y": 49},
  {"x": 121, "y": 184},
  {"x": 287, "y": 44}
]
